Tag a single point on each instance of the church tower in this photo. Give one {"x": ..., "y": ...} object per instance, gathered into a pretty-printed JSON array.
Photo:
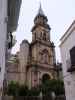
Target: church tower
[{"x": 41, "y": 61}]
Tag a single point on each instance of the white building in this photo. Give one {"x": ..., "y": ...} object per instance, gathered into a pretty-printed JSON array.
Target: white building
[
  {"x": 67, "y": 48},
  {"x": 9, "y": 14}
]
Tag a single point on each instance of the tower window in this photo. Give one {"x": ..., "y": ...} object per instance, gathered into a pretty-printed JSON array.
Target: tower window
[
  {"x": 35, "y": 36},
  {"x": 41, "y": 35},
  {"x": 44, "y": 36}
]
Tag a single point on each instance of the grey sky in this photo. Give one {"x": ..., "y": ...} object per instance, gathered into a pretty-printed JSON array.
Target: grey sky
[{"x": 60, "y": 14}]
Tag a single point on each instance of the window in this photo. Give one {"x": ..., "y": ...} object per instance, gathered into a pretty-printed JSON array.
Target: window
[
  {"x": 10, "y": 39},
  {"x": 0, "y": 69},
  {"x": 35, "y": 35},
  {"x": 71, "y": 62},
  {"x": 72, "y": 56},
  {"x": 41, "y": 35},
  {"x": 44, "y": 36}
]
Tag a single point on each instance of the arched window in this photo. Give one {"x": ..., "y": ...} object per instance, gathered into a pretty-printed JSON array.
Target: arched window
[
  {"x": 41, "y": 35},
  {"x": 44, "y": 36}
]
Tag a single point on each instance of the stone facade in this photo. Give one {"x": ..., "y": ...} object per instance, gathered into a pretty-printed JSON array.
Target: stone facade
[
  {"x": 67, "y": 43},
  {"x": 37, "y": 58}
]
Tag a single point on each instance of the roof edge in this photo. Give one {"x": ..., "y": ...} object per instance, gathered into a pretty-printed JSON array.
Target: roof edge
[{"x": 67, "y": 30}]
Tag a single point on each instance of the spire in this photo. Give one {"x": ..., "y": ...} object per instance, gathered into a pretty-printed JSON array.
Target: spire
[
  {"x": 40, "y": 19},
  {"x": 40, "y": 11}
]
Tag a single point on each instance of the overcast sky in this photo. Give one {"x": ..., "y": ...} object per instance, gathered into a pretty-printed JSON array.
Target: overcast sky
[{"x": 60, "y": 14}]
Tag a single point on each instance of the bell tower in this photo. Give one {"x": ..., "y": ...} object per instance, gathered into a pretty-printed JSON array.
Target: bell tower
[
  {"x": 41, "y": 29},
  {"x": 41, "y": 52}
]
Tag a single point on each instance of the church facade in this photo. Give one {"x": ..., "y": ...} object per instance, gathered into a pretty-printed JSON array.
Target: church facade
[{"x": 36, "y": 60}]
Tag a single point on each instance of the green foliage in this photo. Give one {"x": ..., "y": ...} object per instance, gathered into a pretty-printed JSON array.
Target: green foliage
[
  {"x": 34, "y": 91},
  {"x": 56, "y": 86},
  {"x": 23, "y": 90},
  {"x": 45, "y": 78},
  {"x": 13, "y": 88},
  {"x": 16, "y": 89},
  {"x": 49, "y": 86}
]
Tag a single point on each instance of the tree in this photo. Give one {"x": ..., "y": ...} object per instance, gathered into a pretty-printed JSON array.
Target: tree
[
  {"x": 12, "y": 88},
  {"x": 34, "y": 91},
  {"x": 15, "y": 89},
  {"x": 56, "y": 86},
  {"x": 23, "y": 90},
  {"x": 47, "y": 87}
]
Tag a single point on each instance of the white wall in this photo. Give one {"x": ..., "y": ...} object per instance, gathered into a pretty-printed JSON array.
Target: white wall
[
  {"x": 3, "y": 31},
  {"x": 69, "y": 78}
]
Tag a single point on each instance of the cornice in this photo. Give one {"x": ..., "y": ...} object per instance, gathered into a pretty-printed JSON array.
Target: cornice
[{"x": 47, "y": 43}]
